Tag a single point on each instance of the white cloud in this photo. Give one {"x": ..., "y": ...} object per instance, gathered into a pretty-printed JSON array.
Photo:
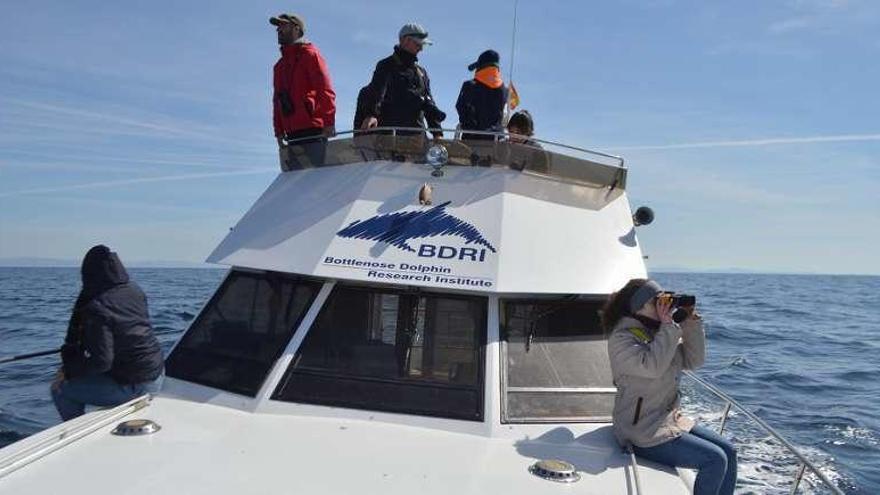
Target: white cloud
[
  {"x": 140, "y": 180},
  {"x": 789, "y": 25},
  {"x": 753, "y": 142}
]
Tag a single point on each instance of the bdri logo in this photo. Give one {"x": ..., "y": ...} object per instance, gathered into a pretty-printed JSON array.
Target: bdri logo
[{"x": 398, "y": 229}]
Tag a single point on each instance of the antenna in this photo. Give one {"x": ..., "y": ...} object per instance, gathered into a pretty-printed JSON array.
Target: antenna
[
  {"x": 513, "y": 42},
  {"x": 512, "y": 59}
]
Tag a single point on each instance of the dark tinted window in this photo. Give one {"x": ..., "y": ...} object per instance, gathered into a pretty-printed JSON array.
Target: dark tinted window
[
  {"x": 556, "y": 361},
  {"x": 242, "y": 331},
  {"x": 393, "y": 351}
]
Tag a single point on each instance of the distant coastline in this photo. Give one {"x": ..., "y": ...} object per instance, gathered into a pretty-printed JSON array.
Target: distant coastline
[
  {"x": 24, "y": 262},
  {"x": 70, "y": 263}
]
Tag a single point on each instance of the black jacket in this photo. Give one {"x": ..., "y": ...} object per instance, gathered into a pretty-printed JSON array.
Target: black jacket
[
  {"x": 481, "y": 108},
  {"x": 399, "y": 94},
  {"x": 110, "y": 331},
  {"x": 361, "y": 111}
]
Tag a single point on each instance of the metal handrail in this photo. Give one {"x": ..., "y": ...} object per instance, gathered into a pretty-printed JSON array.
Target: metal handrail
[
  {"x": 498, "y": 136},
  {"x": 804, "y": 462},
  {"x": 62, "y": 436},
  {"x": 635, "y": 469}
]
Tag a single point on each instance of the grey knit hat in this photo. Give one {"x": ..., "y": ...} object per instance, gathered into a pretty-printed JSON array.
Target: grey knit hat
[{"x": 643, "y": 295}]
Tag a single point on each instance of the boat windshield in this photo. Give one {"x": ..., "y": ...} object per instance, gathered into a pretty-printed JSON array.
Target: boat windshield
[
  {"x": 392, "y": 350},
  {"x": 406, "y": 145},
  {"x": 242, "y": 331},
  {"x": 556, "y": 365}
]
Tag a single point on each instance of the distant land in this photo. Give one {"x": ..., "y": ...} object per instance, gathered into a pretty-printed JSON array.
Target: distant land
[
  {"x": 70, "y": 263},
  {"x": 26, "y": 262},
  {"x": 745, "y": 271}
]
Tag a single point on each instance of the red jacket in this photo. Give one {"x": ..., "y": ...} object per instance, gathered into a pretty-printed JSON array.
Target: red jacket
[{"x": 304, "y": 96}]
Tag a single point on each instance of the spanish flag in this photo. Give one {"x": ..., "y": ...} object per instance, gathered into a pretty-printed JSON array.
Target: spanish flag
[{"x": 512, "y": 97}]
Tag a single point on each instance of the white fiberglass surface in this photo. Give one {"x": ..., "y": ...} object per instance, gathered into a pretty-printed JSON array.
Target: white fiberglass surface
[
  {"x": 488, "y": 230},
  {"x": 209, "y": 449}
]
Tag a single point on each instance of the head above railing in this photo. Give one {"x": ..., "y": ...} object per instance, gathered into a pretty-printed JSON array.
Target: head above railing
[{"x": 467, "y": 148}]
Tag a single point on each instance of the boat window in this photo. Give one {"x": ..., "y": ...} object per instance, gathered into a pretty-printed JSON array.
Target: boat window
[
  {"x": 556, "y": 365},
  {"x": 389, "y": 350},
  {"x": 242, "y": 331}
]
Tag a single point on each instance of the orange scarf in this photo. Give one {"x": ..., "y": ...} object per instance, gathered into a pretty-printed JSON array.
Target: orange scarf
[{"x": 489, "y": 76}]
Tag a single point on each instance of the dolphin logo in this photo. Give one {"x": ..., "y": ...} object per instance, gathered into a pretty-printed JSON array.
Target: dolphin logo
[{"x": 398, "y": 228}]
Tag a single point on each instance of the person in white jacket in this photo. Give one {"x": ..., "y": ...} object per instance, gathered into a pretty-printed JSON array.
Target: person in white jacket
[{"x": 648, "y": 350}]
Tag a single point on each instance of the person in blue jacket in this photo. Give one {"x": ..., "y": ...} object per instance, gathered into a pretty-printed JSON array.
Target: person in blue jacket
[{"x": 110, "y": 354}]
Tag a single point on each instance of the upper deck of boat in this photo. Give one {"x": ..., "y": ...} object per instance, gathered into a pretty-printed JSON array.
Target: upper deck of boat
[{"x": 477, "y": 215}]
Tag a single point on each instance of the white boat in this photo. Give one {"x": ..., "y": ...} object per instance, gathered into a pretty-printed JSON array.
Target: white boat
[{"x": 401, "y": 316}]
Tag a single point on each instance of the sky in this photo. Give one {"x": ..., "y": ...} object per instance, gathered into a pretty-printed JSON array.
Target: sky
[{"x": 751, "y": 128}]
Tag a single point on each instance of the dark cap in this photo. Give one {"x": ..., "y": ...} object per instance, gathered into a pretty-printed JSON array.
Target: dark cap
[
  {"x": 487, "y": 58},
  {"x": 523, "y": 121},
  {"x": 288, "y": 19}
]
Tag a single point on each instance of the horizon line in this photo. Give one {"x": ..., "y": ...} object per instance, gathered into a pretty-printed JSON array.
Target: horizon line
[{"x": 168, "y": 264}]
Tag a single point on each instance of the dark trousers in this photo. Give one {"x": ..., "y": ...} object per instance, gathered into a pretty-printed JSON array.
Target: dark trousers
[
  {"x": 306, "y": 148},
  {"x": 72, "y": 396}
]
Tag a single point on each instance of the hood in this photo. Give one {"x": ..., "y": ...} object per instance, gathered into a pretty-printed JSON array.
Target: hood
[{"x": 101, "y": 270}]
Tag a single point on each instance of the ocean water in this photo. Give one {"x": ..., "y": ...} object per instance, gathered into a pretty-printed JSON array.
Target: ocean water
[{"x": 800, "y": 351}]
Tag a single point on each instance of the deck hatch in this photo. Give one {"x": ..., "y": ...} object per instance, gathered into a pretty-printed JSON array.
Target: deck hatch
[
  {"x": 136, "y": 428},
  {"x": 555, "y": 470}
]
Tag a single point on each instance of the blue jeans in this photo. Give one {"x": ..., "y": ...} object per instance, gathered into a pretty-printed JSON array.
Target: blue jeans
[
  {"x": 71, "y": 396},
  {"x": 701, "y": 449}
]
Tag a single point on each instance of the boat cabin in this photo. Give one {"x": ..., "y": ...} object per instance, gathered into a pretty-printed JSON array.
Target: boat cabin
[
  {"x": 349, "y": 288},
  {"x": 400, "y": 314}
]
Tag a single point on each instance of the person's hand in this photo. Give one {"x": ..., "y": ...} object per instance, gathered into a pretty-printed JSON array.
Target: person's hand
[
  {"x": 664, "y": 309},
  {"x": 329, "y": 131},
  {"x": 56, "y": 382},
  {"x": 437, "y": 134},
  {"x": 370, "y": 122}
]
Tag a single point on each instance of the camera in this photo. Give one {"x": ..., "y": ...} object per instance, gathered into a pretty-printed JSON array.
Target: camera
[
  {"x": 679, "y": 300},
  {"x": 683, "y": 304}
]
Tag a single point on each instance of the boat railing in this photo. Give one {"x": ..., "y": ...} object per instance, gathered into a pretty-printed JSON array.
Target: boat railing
[
  {"x": 51, "y": 440},
  {"x": 466, "y": 148},
  {"x": 495, "y": 137},
  {"x": 804, "y": 463}
]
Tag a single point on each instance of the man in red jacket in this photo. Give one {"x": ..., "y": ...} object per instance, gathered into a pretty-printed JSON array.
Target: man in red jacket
[{"x": 304, "y": 103}]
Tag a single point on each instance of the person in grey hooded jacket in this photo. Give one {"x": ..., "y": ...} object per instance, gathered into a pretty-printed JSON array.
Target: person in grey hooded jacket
[{"x": 648, "y": 350}]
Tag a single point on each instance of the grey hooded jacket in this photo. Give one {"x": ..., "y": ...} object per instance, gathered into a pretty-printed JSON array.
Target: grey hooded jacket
[{"x": 646, "y": 373}]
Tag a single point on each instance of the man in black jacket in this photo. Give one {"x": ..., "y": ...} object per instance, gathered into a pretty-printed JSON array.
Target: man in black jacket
[
  {"x": 399, "y": 95},
  {"x": 481, "y": 101},
  {"x": 110, "y": 354}
]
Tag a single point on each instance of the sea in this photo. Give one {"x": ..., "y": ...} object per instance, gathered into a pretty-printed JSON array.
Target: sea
[{"x": 800, "y": 351}]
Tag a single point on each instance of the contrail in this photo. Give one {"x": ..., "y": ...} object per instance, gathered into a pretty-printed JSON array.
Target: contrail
[
  {"x": 142, "y": 180},
  {"x": 754, "y": 142}
]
